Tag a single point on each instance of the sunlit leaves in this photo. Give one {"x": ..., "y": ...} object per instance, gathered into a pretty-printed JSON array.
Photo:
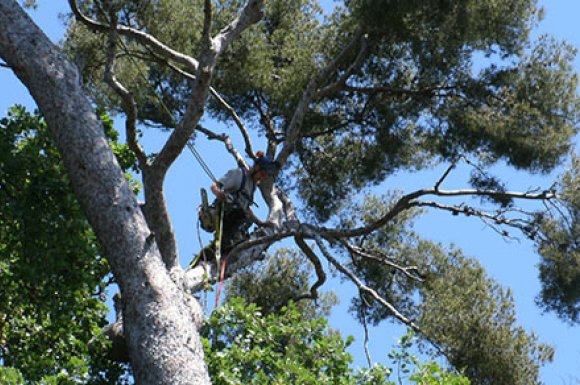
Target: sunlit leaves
[{"x": 49, "y": 264}]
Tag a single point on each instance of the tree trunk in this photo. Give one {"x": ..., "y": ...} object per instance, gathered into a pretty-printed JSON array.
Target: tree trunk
[{"x": 164, "y": 343}]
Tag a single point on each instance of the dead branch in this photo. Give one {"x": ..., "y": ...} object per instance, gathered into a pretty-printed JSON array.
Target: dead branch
[
  {"x": 227, "y": 141},
  {"x": 407, "y": 270},
  {"x": 408, "y": 201},
  {"x": 497, "y": 218}
]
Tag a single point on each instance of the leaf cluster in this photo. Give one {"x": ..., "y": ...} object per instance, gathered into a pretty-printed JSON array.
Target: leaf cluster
[
  {"x": 243, "y": 345},
  {"x": 50, "y": 267}
]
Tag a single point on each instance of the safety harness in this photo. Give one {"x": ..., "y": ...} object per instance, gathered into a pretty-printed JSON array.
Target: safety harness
[{"x": 211, "y": 219}]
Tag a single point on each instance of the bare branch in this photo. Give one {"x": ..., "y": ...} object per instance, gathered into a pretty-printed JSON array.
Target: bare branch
[
  {"x": 431, "y": 91},
  {"x": 237, "y": 120},
  {"x": 363, "y": 316},
  {"x": 265, "y": 240},
  {"x": 518, "y": 223},
  {"x": 361, "y": 286},
  {"x": 227, "y": 141},
  {"x": 251, "y": 14},
  {"x": 444, "y": 176},
  {"x": 545, "y": 195},
  {"x": 403, "y": 269},
  {"x": 289, "y": 209},
  {"x": 317, "y": 267},
  {"x": 408, "y": 201}
]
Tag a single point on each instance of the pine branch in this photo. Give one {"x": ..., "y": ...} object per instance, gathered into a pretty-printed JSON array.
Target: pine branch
[
  {"x": 138, "y": 35},
  {"x": 361, "y": 286},
  {"x": 129, "y": 104}
]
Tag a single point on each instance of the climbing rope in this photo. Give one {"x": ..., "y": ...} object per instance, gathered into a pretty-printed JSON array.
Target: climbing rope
[
  {"x": 207, "y": 170},
  {"x": 190, "y": 144},
  {"x": 201, "y": 162}
]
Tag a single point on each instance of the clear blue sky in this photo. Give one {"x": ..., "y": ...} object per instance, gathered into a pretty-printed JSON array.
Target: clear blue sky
[{"x": 512, "y": 264}]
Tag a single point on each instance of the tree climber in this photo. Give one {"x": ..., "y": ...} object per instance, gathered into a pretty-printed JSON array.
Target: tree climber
[{"x": 235, "y": 193}]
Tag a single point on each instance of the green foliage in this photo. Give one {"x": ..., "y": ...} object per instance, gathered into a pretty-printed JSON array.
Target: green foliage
[
  {"x": 494, "y": 26},
  {"x": 559, "y": 247},
  {"x": 473, "y": 319},
  {"x": 244, "y": 346},
  {"x": 428, "y": 373},
  {"x": 49, "y": 265},
  {"x": 418, "y": 97},
  {"x": 10, "y": 376},
  {"x": 439, "y": 79},
  {"x": 281, "y": 278},
  {"x": 467, "y": 315}
]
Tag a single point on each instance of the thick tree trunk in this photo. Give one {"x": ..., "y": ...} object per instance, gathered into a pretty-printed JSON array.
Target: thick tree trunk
[{"x": 163, "y": 341}]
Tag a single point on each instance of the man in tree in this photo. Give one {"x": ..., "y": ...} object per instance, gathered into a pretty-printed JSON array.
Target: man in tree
[
  {"x": 344, "y": 103},
  {"x": 234, "y": 193}
]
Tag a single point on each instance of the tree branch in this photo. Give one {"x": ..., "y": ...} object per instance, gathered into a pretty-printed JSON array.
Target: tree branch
[
  {"x": 129, "y": 104},
  {"x": 207, "y": 22},
  {"x": 437, "y": 90},
  {"x": 444, "y": 176},
  {"x": 294, "y": 127},
  {"x": 408, "y": 201},
  {"x": 227, "y": 141},
  {"x": 248, "y": 142},
  {"x": 523, "y": 225},
  {"x": 226, "y": 106},
  {"x": 200, "y": 87},
  {"x": 361, "y": 286},
  {"x": 341, "y": 81},
  {"x": 251, "y": 14},
  {"x": 140, "y": 36},
  {"x": 361, "y": 252},
  {"x": 317, "y": 267}
]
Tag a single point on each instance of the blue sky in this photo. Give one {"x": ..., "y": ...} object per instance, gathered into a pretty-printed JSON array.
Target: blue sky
[{"x": 510, "y": 263}]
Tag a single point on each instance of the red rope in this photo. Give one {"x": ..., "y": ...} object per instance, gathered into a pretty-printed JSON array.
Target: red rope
[{"x": 221, "y": 284}]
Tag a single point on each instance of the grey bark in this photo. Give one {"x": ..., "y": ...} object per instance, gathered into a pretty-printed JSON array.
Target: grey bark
[{"x": 162, "y": 337}]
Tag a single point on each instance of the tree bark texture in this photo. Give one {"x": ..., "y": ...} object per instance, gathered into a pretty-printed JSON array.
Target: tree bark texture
[{"x": 164, "y": 343}]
